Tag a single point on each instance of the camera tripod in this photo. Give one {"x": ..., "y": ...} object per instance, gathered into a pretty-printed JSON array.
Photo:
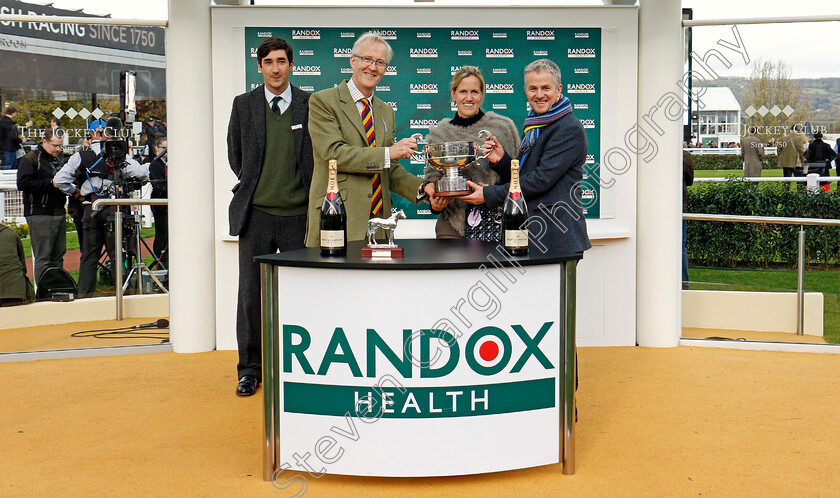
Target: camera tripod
[
  {"x": 127, "y": 240},
  {"x": 138, "y": 266}
]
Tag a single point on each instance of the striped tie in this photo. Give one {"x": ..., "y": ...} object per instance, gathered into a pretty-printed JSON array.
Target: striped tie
[{"x": 376, "y": 181}]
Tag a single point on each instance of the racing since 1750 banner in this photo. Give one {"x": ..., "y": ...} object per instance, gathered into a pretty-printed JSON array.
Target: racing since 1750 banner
[{"x": 416, "y": 84}]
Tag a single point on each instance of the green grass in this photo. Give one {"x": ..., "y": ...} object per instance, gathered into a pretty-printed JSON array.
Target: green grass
[
  {"x": 738, "y": 173},
  {"x": 73, "y": 240},
  {"x": 109, "y": 290},
  {"x": 825, "y": 281},
  {"x": 73, "y": 243}
]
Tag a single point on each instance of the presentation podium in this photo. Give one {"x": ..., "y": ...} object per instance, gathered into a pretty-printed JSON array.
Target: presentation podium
[{"x": 455, "y": 359}]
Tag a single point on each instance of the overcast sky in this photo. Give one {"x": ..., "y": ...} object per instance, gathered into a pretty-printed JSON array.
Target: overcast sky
[{"x": 809, "y": 48}]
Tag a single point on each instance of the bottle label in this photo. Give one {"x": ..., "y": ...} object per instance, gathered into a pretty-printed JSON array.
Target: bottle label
[
  {"x": 332, "y": 238},
  {"x": 516, "y": 238}
]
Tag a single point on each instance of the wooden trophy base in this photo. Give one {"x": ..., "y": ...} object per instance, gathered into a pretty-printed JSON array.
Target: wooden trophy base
[
  {"x": 382, "y": 252},
  {"x": 454, "y": 193}
]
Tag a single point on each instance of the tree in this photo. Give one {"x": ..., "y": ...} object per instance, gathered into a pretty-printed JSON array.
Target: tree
[{"x": 771, "y": 85}]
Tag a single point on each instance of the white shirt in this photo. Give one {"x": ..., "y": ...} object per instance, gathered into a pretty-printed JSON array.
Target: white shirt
[
  {"x": 285, "y": 98},
  {"x": 357, "y": 96}
]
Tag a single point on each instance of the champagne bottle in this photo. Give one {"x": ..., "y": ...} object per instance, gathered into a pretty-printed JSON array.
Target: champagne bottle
[
  {"x": 333, "y": 218},
  {"x": 515, "y": 216}
]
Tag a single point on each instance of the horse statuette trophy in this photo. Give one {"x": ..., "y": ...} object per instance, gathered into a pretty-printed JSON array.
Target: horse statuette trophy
[
  {"x": 450, "y": 158},
  {"x": 389, "y": 249}
]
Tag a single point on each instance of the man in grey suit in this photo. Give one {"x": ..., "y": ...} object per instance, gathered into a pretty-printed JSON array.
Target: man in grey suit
[
  {"x": 270, "y": 151},
  {"x": 752, "y": 150}
]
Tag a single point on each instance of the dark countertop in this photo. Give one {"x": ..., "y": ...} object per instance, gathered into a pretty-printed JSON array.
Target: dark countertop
[{"x": 420, "y": 254}]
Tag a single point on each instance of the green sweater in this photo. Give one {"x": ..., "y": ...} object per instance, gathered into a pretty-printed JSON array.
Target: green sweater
[{"x": 280, "y": 189}]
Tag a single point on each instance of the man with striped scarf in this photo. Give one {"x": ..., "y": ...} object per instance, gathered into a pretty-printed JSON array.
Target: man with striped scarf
[{"x": 551, "y": 156}]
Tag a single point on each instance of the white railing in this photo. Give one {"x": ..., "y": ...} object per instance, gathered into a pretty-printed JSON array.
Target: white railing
[
  {"x": 725, "y": 151},
  {"x": 800, "y": 260}
]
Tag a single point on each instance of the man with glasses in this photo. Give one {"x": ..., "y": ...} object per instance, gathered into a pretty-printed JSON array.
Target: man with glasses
[
  {"x": 43, "y": 202},
  {"x": 351, "y": 125}
]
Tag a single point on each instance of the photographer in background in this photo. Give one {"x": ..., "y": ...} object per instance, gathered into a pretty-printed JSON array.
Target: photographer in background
[
  {"x": 158, "y": 176},
  {"x": 43, "y": 203},
  {"x": 96, "y": 174}
]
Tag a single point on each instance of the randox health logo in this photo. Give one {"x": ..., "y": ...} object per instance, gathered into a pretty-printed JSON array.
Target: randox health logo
[
  {"x": 488, "y": 352},
  {"x": 498, "y": 88},
  {"x": 491, "y": 53},
  {"x": 539, "y": 35},
  {"x": 387, "y": 34},
  {"x": 307, "y": 71},
  {"x": 420, "y": 124},
  {"x": 463, "y": 34},
  {"x": 423, "y": 88},
  {"x": 306, "y": 34},
  {"x": 578, "y": 53},
  {"x": 580, "y": 88},
  {"x": 423, "y": 52}
]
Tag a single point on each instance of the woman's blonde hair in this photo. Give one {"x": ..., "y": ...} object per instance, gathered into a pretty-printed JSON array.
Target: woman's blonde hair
[{"x": 462, "y": 73}]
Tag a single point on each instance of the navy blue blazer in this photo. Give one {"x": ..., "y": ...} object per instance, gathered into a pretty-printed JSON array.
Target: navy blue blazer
[{"x": 550, "y": 178}]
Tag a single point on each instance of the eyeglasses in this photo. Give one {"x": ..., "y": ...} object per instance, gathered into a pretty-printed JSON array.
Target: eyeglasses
[{"x": 380, "y": 64}]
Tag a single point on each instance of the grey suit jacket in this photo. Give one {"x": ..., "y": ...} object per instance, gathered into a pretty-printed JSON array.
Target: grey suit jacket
[{"x": 246, "y": 148}]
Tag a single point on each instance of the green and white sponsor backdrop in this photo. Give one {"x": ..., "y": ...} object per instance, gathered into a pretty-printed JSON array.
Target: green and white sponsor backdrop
[
  {"x": 476, "y": 392},
  {"x": 416, "y": 84}
]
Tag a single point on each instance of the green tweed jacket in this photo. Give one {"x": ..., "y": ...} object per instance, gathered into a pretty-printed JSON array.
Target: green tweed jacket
[{"x": 337, "y": 133}]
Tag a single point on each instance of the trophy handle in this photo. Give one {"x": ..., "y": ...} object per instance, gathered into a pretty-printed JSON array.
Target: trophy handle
[
  {"x": 484, "y": 135},
  {"x": 419, "y": 156}
]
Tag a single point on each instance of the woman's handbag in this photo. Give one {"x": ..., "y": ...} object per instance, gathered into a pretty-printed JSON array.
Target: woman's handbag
[{"x": 484, "y": 223}]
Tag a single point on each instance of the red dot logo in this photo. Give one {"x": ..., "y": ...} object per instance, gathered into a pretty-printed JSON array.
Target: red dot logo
[{"x": 488, "y": 351}]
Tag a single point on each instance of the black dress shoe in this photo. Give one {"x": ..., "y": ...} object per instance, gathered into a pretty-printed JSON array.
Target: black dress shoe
[{"x": 247, "y": 385}]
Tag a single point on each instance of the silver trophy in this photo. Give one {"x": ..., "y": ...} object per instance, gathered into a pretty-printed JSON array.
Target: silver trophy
[
  {"x": 388, "y": 249},
  {"x": 450, "y": 158}
]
